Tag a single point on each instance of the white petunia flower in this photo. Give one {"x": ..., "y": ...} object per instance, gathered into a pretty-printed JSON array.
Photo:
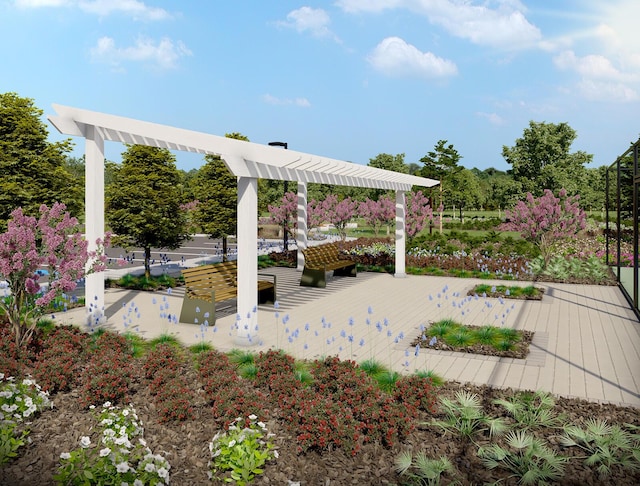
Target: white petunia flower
[
  {"x": 123, "y": 467},
  {"x": 85, "y": 441},
  {"x": 105, "y": 452},
  {"x": 137, "y": 482},
  {"x": 252, "y": 417},
  {"x": 149, "y": 467},
  {"x": 232, "y": 443},
  {"x": 163, "y": 473},
  {"x": 65, "y": 455}
]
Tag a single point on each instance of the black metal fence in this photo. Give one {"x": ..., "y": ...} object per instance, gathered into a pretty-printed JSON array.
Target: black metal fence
[{"x": 622, "y": 206}]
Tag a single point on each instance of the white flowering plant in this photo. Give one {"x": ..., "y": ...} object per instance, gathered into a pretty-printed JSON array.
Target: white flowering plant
[
  {"x": 120, "y": 458},
  {"x": 19, "y": 401},
  {"x": 242, "y": 451}
]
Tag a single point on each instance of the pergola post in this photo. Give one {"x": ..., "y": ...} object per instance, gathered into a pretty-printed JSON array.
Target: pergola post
[
  {"x": 400, "y": 235},
  {"x": 301, "y": 237},
  {"x": 94, "y": 221},
  {"x": 247, "y": 236}
]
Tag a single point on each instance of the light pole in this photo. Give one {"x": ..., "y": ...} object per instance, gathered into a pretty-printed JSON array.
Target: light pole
[{"x": 285, "y": 242}]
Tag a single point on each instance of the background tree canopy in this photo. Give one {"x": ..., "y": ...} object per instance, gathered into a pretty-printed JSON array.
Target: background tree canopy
[
  {"x": 33, "y": 170},
  {"x": 143, "y": 205}
]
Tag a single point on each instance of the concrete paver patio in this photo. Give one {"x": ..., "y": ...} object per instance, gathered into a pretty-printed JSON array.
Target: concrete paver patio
[{"x": 586, "y": 342}]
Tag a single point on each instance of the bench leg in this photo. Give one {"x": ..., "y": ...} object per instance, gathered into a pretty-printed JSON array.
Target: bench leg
[
  {"x": 349, "y": 271},
  {"x": 194, "y": 308},
  {"x": 267, "y": 295},
  {"x": 313, "y": 278}
]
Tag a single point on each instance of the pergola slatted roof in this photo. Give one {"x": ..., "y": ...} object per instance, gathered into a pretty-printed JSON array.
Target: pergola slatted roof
[{"x": 260, "y": 161}]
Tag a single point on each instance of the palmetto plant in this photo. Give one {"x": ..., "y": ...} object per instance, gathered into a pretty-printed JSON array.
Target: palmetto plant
[
  {"x": 526, "y": 457},
  {"x": 531, "y": 409},
  {"x": 607, "y": 445},
  {"x": 425, "y": 471},
  {"x": 466, "y": 417}
]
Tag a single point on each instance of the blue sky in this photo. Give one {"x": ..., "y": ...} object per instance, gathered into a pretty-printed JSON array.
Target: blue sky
[{"x": 347, "y": 79}]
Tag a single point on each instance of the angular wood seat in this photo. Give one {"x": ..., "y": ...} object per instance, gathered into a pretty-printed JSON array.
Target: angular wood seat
[
  {"x": 319, "y": 260},
  {"x": 207, "y": 284}
]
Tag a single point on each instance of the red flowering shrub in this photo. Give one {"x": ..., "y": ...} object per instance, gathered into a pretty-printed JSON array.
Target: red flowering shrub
[
  {"x": 57, "y": 366},
  {"x": 174, "y": 400},
  {"x": 216, "y": 371},
  {"x": 238, "y": 400},
  {"x": 164, "y": 367},
  {"x": 416, "y": 391},
  {"x": 108, "y": 374}
]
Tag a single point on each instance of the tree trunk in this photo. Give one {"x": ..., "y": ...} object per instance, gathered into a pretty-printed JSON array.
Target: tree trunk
[{"x": 147, "y": 262}]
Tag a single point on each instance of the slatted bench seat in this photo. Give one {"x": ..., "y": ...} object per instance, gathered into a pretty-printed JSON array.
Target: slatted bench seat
[
  {"x": 207, "y": 284},
  {"x": 318, "y": 260}
]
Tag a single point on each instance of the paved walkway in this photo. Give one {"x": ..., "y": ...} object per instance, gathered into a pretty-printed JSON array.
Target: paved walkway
[{"x": 586, "y": 342}]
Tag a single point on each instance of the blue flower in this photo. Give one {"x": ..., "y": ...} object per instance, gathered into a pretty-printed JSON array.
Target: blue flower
[
  {"x": 433, "y": 341},
  {"x": 417, "y": 351}
]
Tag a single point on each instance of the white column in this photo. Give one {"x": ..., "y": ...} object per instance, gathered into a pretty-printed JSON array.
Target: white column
[
  {"x": 400, "y": 235},
  {"x": 247, "y": 236},
  {"x": 301, "y": 237},
  {"x": 94, "y": 221}
]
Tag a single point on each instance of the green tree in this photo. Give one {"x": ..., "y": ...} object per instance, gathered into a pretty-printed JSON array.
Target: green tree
[
  {"x": 216, "y": 189},
  {"x": 541, "y": 159},
  {"x": 143, "y": 205},
  {"x": 464, "y": 190},
  {"x": 394, "y": 163},
  {"x": 33, "y": 170},
  {"x": 441, "y": 164}
]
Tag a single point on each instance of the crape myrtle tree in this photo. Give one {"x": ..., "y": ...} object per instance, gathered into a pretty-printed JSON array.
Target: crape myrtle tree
[
  {"x": 286, "y": 214},
  {"x": 216, "y": 190},
  {"x": 32, "y": 170},
  {"x": 143, "y": 205},
  {"x": 339, "y": 212},
  {"x": 53, "y": 240},
  {"x": 378, "y": 213},
  {"x": 546, "y": 220},
  {"x": 418, "y": 213}
]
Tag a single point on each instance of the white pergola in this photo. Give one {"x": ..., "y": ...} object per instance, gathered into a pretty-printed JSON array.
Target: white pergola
[{"x": 248, "y": 162}]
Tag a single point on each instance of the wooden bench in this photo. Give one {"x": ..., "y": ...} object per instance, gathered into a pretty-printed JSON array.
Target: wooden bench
[
  {"x": 207, "y": 284},
  {"x": 318, "y": 260}
]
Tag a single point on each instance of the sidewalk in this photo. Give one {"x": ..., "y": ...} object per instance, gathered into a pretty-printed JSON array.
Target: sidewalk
[{"x": 586, "y": 343}]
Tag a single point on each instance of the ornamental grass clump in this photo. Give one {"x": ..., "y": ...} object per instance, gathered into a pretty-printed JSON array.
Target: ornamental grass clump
[
  {"x": 527, "y": 458},
  {"x": 420, "y": 469},
  {"x": 465, "y": 416},
  {"x": 121, "y": 455},
  {"x": 531, "y": 410},
  {"x": 607, "y": 446},
  {"x": 239, "y": 454},
  {"x": 19, "y": 401}
]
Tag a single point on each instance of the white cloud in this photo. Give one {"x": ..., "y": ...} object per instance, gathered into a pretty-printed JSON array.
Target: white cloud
[
  {"x": 307, "y": 19},
  {"x": 493, "y": 118},
  {"x": 599, "y": 79},
  {"x": 394, "y": 57},
  {"x": 273, "y": 100},
  {"x": 607, "y": 91},
  {"x": 164, "y": 54},
  {"x": 590, "y": 66},
  {"x": 134, "y": 8},
  {"x": 504, "y": 26},
  {"x": 355, "y": 6},
  {"x": 41, "y": 3}
]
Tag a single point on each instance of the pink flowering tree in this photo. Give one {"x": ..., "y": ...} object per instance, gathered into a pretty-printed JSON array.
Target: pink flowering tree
[
  {"x": 418, "y": 213},
  {"x": 29, "y": 244},
  {"x": 546, "y": 220},
  {"x": 316, "y": 215},
  {"x": 285, "y": 215},
  {"x": 339, "y": 213},
  {"x": 378, "y": 213},
  {"x": 190, "y": 209}
]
